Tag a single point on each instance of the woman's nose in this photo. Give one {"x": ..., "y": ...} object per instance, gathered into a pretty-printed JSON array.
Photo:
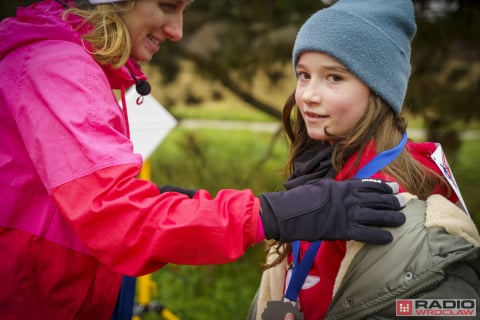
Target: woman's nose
[{"x": 173, "y": 29}]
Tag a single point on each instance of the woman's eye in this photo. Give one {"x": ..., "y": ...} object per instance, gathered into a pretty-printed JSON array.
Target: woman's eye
[{"x": 168, "y": 7}]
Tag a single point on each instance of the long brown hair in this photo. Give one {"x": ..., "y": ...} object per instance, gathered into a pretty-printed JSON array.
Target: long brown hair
[
  {"x": 109, "y": 37},
  {"x": 381, "y": 124}
]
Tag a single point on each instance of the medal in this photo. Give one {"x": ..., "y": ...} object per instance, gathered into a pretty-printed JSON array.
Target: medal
[{"x": 276, "y": 310}]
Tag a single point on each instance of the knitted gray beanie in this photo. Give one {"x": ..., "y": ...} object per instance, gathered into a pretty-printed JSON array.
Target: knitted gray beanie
[{"x": 370, "y": 37}]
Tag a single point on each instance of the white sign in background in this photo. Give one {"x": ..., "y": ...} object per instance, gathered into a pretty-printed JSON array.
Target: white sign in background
[{"x": 149, "y": 123}]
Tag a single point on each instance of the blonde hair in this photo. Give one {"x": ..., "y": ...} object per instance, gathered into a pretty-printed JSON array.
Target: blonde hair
[
  {"x": 381, "y": 124},
  {"x": 109, "y": 38}
]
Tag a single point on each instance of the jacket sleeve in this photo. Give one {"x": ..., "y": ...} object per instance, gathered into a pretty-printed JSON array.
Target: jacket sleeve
[
  {"x": 74, "y": 134},
  {"x": 134, "y": 229}
]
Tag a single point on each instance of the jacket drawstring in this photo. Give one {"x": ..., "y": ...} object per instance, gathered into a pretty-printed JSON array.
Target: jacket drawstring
[{"x": 124, "y": 109}]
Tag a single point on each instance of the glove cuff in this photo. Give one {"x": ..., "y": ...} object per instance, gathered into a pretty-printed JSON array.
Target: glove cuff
[
  {"x": 171, "y": 188},
  {"x": 269, "y": 219}
]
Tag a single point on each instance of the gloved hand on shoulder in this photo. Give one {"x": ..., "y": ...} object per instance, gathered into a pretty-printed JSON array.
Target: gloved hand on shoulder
[{"x": 326, "y": 209}]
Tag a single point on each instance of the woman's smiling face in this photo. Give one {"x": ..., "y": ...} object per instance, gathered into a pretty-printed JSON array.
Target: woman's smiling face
[
  {"x": 151, "y": 22},
  {"x": 330, "y": 98}
]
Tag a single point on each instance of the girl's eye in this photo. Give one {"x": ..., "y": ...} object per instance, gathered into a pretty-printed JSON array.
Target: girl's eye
[{"x": 334, "y": 77}]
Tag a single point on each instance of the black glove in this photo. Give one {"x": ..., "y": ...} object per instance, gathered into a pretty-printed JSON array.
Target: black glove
[
  {"x": 171, "y": 188},
  {"x": 333, "y": 210}
]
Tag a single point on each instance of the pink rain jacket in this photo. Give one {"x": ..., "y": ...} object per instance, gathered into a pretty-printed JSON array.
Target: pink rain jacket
[{"x": 73, "y": 215}]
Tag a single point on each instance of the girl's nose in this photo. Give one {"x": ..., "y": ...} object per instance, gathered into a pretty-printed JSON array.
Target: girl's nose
[
  {"x": 173, "y": 29},
  {"x": 311, "y": 95}
]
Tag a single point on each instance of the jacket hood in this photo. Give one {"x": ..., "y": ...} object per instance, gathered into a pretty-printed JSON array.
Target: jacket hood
[
  {"x": 38, "y": 22},
  {"x": 43, "y": 21}
]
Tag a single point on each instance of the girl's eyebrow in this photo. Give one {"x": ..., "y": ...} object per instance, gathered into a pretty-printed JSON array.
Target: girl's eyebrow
[
  {"x": 335, "y": 66},
  {"x": 338, "y": 68}
]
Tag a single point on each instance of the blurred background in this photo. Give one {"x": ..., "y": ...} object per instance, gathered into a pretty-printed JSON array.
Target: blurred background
[{"x": 226, "y": 83}]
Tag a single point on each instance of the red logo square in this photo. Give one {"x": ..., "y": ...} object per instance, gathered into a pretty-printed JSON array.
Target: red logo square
[{"x": 404, "y": 307}]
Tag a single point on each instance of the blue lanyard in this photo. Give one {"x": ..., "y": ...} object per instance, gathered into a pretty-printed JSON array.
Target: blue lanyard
[{"x": 301, "y": 269}]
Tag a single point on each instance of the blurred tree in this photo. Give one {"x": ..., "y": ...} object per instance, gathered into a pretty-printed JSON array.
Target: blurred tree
[
  {"x": 234, "y": 41},
  {"x": 445, "y": 83}
]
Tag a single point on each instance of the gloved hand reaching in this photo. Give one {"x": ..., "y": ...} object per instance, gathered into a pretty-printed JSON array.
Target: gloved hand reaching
[{"x": 326, "y": 209}]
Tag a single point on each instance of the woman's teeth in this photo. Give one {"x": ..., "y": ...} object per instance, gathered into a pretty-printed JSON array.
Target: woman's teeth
[{"x": 155, "y": 41}]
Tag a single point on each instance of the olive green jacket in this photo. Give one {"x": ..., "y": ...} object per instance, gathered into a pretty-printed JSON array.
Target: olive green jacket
[{"x": 434, "y": 255}]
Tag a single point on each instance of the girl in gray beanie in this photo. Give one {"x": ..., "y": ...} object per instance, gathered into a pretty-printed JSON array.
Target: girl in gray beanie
[{"x": 352, "y": 63}]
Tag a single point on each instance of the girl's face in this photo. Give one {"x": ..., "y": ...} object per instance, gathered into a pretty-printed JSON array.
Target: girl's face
[
  {"x": 329, "y": 97},
  {"x": 151, "y": 22}
]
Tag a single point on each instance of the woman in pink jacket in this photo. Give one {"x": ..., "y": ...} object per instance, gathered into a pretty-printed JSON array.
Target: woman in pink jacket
[{"x": 74, "y": 217}]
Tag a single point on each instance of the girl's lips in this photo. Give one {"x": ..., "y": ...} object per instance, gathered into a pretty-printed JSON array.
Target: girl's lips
[
  {"x": 312, "y": 115},
  {"x": 312, "y": 118}
]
